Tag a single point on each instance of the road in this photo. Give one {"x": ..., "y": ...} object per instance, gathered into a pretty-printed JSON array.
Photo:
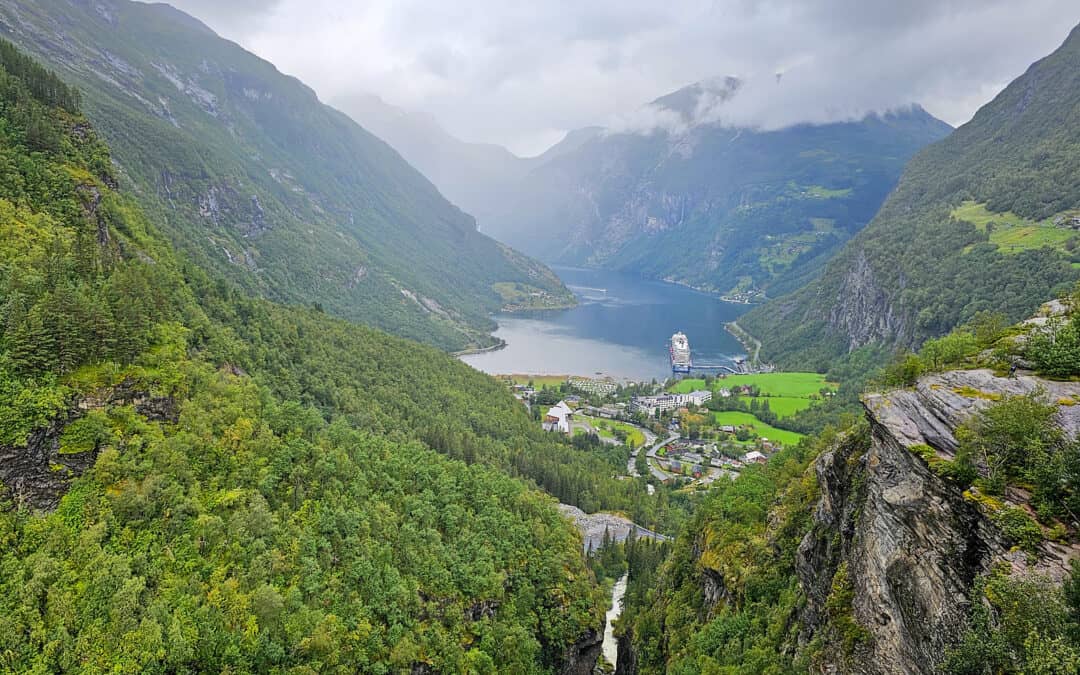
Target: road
[
  {"x": 631, "y": 464},
  {"x": 657, "y": 472},
  {"x": 749, "y": 342},
  {"x": 654, "y": 446}
]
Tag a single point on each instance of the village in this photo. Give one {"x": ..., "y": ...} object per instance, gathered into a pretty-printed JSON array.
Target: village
[{"x": 682, "y": 433}]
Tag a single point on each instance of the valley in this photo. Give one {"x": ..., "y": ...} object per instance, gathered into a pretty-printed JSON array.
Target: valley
[
  {"x": 620, "y": 327},
  {"x": 288, "y": 388}
]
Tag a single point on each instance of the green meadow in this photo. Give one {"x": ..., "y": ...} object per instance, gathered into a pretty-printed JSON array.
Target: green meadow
[
  {"x": 1013, "y": 233},
  {"x": 736, "y": 418},
  {"x": 790, "y": 385}
]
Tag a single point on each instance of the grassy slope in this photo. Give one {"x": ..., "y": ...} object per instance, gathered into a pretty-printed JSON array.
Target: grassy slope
[{"x": 1012, "y": 233}]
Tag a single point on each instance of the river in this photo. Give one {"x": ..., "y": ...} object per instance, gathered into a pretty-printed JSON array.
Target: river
[
  {"x": 621, "y": 327},
  {"x": 610, "y": 645}
]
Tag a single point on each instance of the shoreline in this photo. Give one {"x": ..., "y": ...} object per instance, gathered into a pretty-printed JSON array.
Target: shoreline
[
  {"x": 514, "y": 308},
  {"x": 750, "y": 343},
  {"x": 502, "y": 344},
  {"x": 719, "y": 295}
]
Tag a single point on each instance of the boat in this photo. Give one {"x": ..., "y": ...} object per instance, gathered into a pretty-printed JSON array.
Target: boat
[{"x": 680, "y": 353}]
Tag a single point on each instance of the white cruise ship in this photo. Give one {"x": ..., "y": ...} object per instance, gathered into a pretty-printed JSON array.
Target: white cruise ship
[{"x": 680, "y": 353}]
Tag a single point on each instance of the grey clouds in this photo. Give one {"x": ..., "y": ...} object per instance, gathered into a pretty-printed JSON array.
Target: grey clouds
[{"x": 523, "y": 73}]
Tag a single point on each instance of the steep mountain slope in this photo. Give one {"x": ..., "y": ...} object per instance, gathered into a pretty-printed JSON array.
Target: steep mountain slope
[
  {"x": 473, "y": 176},
  {"x": 254, "y": 178},
  {"x": 193, "y": 479},
  {"x": 726, "y": 209},
  {"x": 937, "y": 535},
  {"x": 983, "y": 220}
]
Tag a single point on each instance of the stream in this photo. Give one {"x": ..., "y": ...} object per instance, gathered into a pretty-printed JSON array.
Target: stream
[{"x": 610, "y": 646}]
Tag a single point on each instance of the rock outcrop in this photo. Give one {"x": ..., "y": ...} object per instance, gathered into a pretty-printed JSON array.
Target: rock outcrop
[
  {"x": 902, "y": 543},
  {"x": 38, "y": 473},
  {"x": 581, "y": 657},
  {"x": 863, "y": 311}
]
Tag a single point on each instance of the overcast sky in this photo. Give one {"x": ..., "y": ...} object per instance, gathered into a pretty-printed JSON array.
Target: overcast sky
[{"x": 523, "y": 72}]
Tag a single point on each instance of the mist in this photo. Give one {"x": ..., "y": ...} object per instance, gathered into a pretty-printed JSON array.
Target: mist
[{"x": 522, "y": 75}]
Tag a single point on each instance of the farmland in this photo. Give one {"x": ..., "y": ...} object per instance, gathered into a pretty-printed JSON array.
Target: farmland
[
  {"x": 737, "y": 419},
  {"x": 790, "y": 385}
]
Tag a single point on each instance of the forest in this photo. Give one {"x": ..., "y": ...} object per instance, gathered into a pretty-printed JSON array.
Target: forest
[{"x": 225, "y": 506}]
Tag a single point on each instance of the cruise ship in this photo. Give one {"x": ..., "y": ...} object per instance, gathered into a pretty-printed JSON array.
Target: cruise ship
[{"x": 680, "y": 353}]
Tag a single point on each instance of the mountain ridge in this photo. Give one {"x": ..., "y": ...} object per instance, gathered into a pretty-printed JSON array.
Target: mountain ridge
[
  {"x": 255, "y": 178},
  {"x": 666, "y": 194}
]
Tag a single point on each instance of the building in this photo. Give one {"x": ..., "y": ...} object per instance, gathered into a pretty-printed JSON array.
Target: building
[
  {"x": 698, "y": 398},
  {"x": 558, "y": 418},
  {"x": 754, "y": 456},
  {"x": 650, "y": 405},
  {"x": 602, "y": 387}
]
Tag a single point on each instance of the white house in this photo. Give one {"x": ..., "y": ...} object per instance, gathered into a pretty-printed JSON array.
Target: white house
[
  {"x": 754, "y": 456},
  {"x": 558, "y": 418}
]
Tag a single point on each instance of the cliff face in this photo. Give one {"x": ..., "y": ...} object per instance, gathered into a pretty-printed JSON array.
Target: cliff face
[
  {"x": 902, "y": 545},
  {"x": 863, "y": 311},
  {"x": 581, "y": 657},
  {"x": 39, "y": 472}
]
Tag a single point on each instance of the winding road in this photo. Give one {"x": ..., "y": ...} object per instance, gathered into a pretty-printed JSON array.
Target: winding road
[{"x": 657, "y": 472}]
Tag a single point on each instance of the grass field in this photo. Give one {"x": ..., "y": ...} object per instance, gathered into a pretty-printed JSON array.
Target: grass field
[
  {"x": 738, "y": 419},
  {"x": 1013, "y": 233},
  {"x": 523, "y": 296},
  {"x": 783, "y": 406},
  {"x": 606, "y": 428},
  {"x": 791, "y": 385}
]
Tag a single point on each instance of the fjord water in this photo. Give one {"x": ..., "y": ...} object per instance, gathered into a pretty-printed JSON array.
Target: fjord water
[{"x": 621, "y": 327}]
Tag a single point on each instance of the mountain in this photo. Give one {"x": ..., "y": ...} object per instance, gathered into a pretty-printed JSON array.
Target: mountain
[
  {"x": 688, "y": 199},
  {"x": 985, "y": 220},
  {"x": 194, "y": 479},
  {"x": 471, "y": 175},
  {"x": 254, "y": 178}
]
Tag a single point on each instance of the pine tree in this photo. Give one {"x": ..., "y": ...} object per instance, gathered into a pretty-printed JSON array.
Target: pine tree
[{"x": 32, "y": 347}]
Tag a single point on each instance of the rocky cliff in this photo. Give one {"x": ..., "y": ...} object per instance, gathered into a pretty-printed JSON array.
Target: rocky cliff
[
  {"x": 38, "y": 473},
  {"x": 889, "y": 564}
]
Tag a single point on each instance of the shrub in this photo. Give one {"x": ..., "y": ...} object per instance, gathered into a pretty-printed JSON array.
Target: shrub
[
  {"x": 1055, "y": 351},
  {"x": 1019, "y": 528}
]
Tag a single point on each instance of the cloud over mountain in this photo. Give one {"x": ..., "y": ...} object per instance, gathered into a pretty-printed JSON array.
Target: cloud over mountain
[{"x": 522, "y": 74}]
